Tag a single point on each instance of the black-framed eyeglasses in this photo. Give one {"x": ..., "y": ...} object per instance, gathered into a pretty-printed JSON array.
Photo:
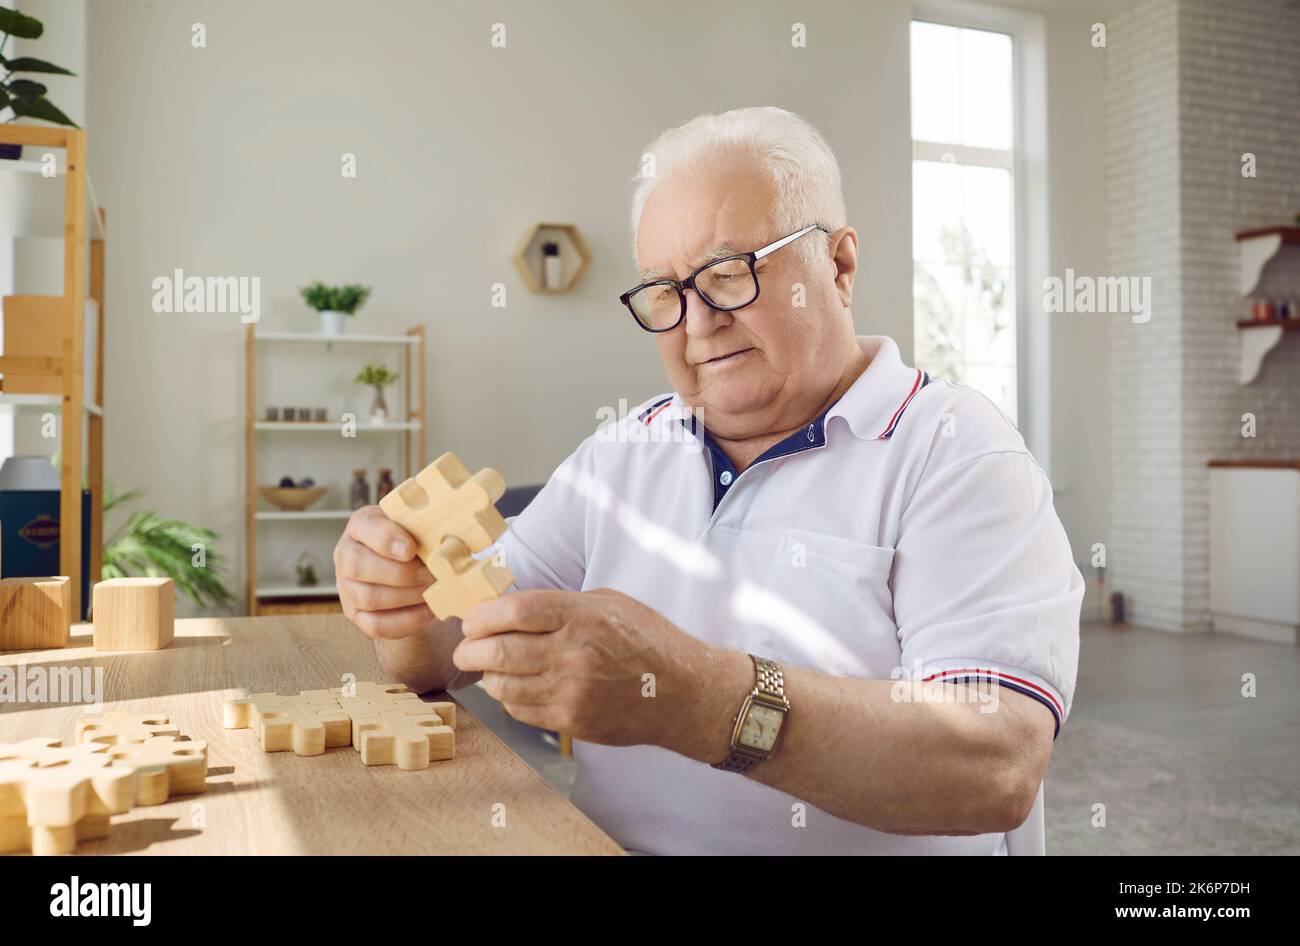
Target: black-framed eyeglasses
[{"x": 725, "y": 284}]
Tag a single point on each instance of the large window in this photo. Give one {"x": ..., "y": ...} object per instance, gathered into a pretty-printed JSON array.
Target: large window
[{"x": 963, "y": 208}]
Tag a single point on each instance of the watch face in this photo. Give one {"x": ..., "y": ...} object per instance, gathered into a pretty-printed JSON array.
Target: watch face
[{"x": 762, "y": 723}]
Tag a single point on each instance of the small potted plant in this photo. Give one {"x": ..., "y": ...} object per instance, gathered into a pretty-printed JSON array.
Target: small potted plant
[
  {"x": 334, "y": 303},
  {"x": 25, "y": 98},
  {"x": 378, "y": 377}
]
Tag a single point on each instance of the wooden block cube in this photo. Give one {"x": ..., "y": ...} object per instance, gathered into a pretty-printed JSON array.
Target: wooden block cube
[
  {"x": 35, "y": 613},
  {"x": 134, "y": 613}
]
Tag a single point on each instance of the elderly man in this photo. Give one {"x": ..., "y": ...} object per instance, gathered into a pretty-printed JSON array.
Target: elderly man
[{"x": 754, "y": 602}]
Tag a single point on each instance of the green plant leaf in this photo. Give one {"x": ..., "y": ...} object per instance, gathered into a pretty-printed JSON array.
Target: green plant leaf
[
  {"x": 152, "y": 545},
  {"x": 376, "y": 375},
  {"x": 114, "y": 497},
  {"x": 17, "y": 24},
  {"x": 44, "y": 109},
  {"x": 25, "y": 90},
  {"x": 30, "y": 64},
  {"x": 4, "y": 98}
]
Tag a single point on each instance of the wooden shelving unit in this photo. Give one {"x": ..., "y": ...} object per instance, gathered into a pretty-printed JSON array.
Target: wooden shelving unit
[
  {"x": 573, "y": 250},
  {"x": 1257, "y": 248},
  {"x": 279, "y": 598},
  {"x": 81, "y": 411}
]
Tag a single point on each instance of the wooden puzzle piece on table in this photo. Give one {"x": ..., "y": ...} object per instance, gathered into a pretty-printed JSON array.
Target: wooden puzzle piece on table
[
  {"x": 116, "y": 727},
  {"x": 360, "y": 710},
  {"x": 164, "y": 766},
  {"x": 368, "y": 699},
  {"x": 452, "y": 515},
  {"x": 374, "y": 692},
  {"x": 395, "y": 736},
  {"x": 59, "y": 795},
  {"x": 308, "y": 723},
  {"x": 34, "y": 748}
]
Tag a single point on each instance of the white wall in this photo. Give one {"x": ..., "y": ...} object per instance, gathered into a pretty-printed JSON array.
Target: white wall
[
  {"x": 1239, "y": 82},
  {"x": 225, "y": 160},
  {"x": 1195, "y": 85},
  {"x": 1077, "y": 225}
]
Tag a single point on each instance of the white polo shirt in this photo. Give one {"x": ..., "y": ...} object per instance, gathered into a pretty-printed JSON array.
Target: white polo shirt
[{"x": 907, "y": 527}]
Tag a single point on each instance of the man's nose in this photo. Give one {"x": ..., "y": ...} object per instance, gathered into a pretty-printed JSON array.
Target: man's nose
[{"x": 702, "y": 319}]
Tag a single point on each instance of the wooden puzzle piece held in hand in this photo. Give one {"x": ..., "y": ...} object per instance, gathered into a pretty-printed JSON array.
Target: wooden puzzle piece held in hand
[
  {"x": 308, "y": 723},
  {"x": 452, "y": 515}
]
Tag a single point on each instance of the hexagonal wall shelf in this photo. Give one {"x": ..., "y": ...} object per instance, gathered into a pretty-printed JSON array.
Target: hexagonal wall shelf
[{"x": 573, "y": 253}]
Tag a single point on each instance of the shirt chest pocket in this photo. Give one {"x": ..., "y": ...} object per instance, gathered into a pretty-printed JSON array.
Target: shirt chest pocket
[{"x": 835, "y": 602}]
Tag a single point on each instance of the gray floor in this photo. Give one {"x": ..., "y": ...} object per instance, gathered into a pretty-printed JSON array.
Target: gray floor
[{"x": 1159, "y": 733}]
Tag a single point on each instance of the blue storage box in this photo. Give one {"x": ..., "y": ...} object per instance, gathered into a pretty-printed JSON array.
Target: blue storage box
[{"x": 29, "y": 536}]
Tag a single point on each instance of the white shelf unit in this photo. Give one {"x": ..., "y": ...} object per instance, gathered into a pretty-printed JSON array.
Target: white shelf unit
[
  {"x": 276, "y": 592},
  {"x": 318, "y": 337},
  {"x": 333, "y": 428},
  {"x": 297, "y": 591},
  {"x": 46, "y": 400},
  {"x": 268, "y": 515}
]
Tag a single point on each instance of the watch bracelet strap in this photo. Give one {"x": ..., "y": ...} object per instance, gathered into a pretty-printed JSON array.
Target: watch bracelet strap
[{"x": 769, "y": 681}]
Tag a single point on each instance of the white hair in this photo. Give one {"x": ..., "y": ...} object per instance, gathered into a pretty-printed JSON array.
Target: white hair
[{"x": 802, "y": 165}]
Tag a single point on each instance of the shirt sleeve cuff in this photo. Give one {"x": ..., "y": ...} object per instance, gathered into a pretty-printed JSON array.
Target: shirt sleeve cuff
[{"x": 960, "y": 670}]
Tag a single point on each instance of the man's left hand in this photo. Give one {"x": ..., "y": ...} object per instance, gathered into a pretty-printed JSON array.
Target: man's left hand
[{"x": 599, "y": 666}]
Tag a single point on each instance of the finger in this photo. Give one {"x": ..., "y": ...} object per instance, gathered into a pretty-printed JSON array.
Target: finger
[
  {"x": 395, "y": 624},
  {"x": 365, "y": 596},
  {"x": 534, "y": 610},
  {"x": 358, "y": 562},
  {"x": 369, "y": 526},
  {"x": 505, "y": 653},
  {"x": 521, "y": 690},
  {"x": 530, "y": 715}
]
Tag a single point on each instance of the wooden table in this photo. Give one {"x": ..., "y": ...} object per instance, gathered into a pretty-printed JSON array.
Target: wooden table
[{"x": 279, "y": 803}]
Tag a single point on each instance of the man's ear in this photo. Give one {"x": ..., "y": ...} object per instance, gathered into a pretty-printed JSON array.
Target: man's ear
[{"x": 844, "y": 255}]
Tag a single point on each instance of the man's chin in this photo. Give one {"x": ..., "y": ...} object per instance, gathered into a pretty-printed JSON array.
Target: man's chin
[{"x": 733, "y": 399}]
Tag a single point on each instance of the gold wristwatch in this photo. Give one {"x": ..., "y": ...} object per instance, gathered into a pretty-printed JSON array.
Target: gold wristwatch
[{"x": 758, "y": 724}]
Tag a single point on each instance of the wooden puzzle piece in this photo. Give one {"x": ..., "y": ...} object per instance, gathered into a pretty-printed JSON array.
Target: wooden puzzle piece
[
  {"x": 35, "y": 613},
  {"x": 367, "y": 699},
  {"x": 395, "y": 736},
  {"x": 451, "y": 514},
  {"x": 31, "y": 748},
  {"x": 61, "y": 795},
  {"x": 444, "y": 500},
  {"x": 361, "y": 709},
  {"x": 308, "y": 723},
  {"x": 462, "y": 580},
  {"x": 374, "y": 692},
  {"x": 115, "y": 728},
  {"x": 164, "y": 766}
]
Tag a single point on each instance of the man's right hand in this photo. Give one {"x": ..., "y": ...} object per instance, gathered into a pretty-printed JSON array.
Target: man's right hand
[{"x": 381, "y": 583}]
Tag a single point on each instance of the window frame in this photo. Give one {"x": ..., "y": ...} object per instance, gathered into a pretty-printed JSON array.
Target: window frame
[{"x": 1029, "y": 183}]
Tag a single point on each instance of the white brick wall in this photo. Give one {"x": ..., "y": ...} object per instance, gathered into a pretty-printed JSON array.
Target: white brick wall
[
  {"x": 1145, "y": 544},
  {"x": 1192, "y": 85}
]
